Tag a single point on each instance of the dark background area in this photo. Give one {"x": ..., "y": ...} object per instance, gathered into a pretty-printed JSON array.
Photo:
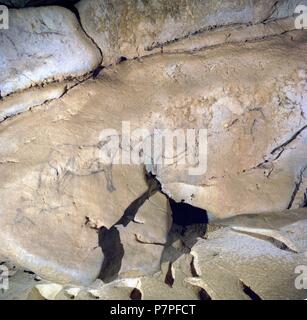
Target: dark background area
[{"x": 35, "y": 3}]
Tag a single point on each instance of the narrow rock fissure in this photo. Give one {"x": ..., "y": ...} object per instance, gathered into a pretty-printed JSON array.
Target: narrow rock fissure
[
  {"x": 249, "y": 292},
  {"x": 169, "y": 278},
  {"x": 297, "y": 187},
  {"x": 189, "y": 223},
  {"x": 74, "y": 10},
  {"x": 280, "y": 149},
  {"x": 277, "y": 243},
  {"x": 79, "y": 80},
  {"x": 293, "y": 137},
  {"x": 193, "y": 269}
]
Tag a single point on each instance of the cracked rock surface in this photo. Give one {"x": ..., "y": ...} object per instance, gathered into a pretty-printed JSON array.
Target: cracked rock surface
[
  {"x": 233, "y": 258},
  {"x": 56, "y": 185},
  {"x": 27, "y": 99},
  {"x": 75, "y": 226},
  {"x": 228, "y": 263},
  {"x": 131, "y": 28},
  {"x": 144, "y": 239},
  {"x": 256, "y": 154},
  {"x": 284, "y": 7},
  {"x": 60, "y": 186},
  {"x": 43, "y": 44}
]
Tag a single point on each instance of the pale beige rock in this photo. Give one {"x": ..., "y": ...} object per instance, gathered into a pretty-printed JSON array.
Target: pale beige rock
[
  {"x": 49, "y": 291},
  {"x": 139, "y": 258},
  {"x": 284, "y": 228},
  {"x": 154, "y": 288},
  {"x": 43, "y": 44},
  {"x": 116, "y": 290},
  {"x": 144, "y": 238},
  {"x": 229, "y": 262},
  {"x": 256, "y": 158},
  {"x": 153, "y": 220},
  {"x": 21, "y": 287},
  {"x": 286, "y": 8},
  {"x": 230, "y": 34},
  {"x": 273, "y": 221},
  {"x": 132, "y": 28},
  {"x": 60, "y": 185},
  {"x": 23, "y": 101},
  {"x": 72, "y": 292},
  {"x": 53, "y": 180}
]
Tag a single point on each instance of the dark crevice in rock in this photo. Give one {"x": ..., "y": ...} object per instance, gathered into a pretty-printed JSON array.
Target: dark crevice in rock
[
  {"x": 136, "y": 294},
  {"x": 297, "y": 187},
  {"x": 189, "y": 223},
  {"x": 277, "y": 243},
  {"x": 91, "y": 224},
  {"x": 96, "y": 72},
  {"x": 79, "y": 80},
  {"x": 279, "y": 150},
  {"x": 193, "y": 269},
  {"x": 121, "y": 59},
  {"x": 273, "y": 9},
  {"x": 185, "y": 214},
  {"x": 249, "y": 292},
  {"x": 29, "y": 272},
  {"x": 75, "y": 11},
  {"x": 293, "y": 137},
  {"x": 203, "y": 295},
  {"x": 169, "y": 278},
  {"x": 305, "y": 200},
  {"x": 38, "y": 3}
]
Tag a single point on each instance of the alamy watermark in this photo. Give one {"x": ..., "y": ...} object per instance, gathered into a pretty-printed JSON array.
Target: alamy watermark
[
  {"x": 301, "y": 20},
  {"x": 4, "y": 17},
  {"x": 158, "y": 147},
  {"x": 4, "y": 278},
  {"x": 300, "y": 281}
]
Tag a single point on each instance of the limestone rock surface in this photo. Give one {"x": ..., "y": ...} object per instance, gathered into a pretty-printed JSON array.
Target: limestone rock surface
[
  {"x": 131, "y": 28},
  {"x": 43, "y": 44},
  {"x": 63, "y": 192},
  {"x": 55, "y": 184},
  {"x": 232, "y": 262},
  {"x": 286, "y": 8},
  {"x": 144, "y": 239}
]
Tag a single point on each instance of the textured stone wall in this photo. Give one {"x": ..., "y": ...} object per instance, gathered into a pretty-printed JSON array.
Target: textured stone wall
[{"x": 88, "y": 228}]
